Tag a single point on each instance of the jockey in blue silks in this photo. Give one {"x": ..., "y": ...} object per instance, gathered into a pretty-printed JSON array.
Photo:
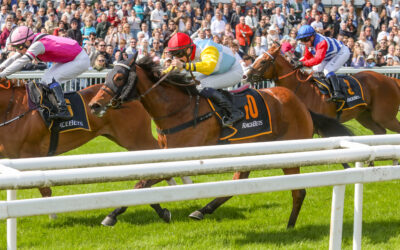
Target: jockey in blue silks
[{"x": 327, "y": 56}]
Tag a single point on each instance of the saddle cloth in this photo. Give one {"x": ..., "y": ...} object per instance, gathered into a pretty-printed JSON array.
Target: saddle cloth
[
  {"x": 257, "y": 119},
  {"x": 42, "y": 98},
  {"x": 350, "y": 87}
]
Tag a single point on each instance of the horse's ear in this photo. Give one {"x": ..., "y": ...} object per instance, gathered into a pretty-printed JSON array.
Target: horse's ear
[{"x": 133, "y": 59}]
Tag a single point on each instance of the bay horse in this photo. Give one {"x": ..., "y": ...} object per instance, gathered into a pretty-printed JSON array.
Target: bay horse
[
  {"x": 129, "y": 127},
  {"x": 381, "y": 93},
  {"x": 173, "y": 101}
]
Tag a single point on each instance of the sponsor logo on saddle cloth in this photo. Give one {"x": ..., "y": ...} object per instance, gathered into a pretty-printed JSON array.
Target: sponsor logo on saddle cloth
[
  {"x": 257, "y": 119},
  {"x": 39, "y": 97},
  {"x": 351, "y": 88}
]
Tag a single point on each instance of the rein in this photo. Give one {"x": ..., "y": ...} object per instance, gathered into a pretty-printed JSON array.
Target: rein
[
  {"x": 297, "y": 75},
  {"x": 6, "y": 87}
]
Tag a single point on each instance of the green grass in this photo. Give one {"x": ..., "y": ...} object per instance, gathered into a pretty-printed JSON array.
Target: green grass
[{"x": 245, "y": 222}]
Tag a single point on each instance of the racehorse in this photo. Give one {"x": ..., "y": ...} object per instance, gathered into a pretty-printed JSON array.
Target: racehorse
[
  {"x": 173, "y": 102},
  {"x": 27, "y": 136},
  {"x": 381, "y": 93}
]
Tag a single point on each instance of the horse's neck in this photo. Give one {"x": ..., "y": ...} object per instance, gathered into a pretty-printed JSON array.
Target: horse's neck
[
  {"x": 293, "y": 81},
  {"x": 12, "y": 100},
  {"x": 164, "y": 103}
]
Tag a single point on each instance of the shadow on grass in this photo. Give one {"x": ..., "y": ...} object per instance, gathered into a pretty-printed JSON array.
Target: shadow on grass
[
  {"x": 378, "y": 232},
  {"x": 145, "y": 216}
]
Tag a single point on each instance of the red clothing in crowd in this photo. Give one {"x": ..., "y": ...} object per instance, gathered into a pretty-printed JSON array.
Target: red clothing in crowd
[
  {"x": 243, "y": 34},
  {"x": 3, "y": 37}
]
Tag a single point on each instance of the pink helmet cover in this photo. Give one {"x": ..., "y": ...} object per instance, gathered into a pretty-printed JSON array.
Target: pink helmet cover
[{"x": 20, "y": 35}]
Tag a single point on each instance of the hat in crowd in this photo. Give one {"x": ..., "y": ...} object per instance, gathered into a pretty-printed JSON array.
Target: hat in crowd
[
  {"x": 371, "y": 57},
  {"x": 396, "y": 5},
  {"x": 272, "y": 28}
]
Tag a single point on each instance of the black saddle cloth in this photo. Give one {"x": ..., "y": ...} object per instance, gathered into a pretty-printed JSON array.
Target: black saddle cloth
[
  {"x": 350, "y": 87},
  {"x": 40, "y": 97},
  {"x": 257, "y": 119}
]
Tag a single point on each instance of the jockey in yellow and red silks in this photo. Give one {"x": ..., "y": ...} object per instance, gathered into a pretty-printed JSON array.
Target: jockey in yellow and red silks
[{"x": 218, "y": 65}]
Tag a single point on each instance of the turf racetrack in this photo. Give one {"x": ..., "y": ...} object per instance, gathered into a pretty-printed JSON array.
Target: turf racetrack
[{"x": 245, "y": 222}]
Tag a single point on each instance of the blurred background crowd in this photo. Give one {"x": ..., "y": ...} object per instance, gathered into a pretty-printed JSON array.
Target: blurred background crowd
[{"x": 113, "y": 30}]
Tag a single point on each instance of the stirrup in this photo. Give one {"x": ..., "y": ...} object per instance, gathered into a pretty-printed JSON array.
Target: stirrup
[
  {"x": 336, "y": 98},
  {"x": 63, "y": 115},
  {"x": 229, "y": 121}
]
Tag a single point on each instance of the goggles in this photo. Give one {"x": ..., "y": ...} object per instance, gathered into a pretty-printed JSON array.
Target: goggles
[
  {"x": 19, "y": 46},
  {"x": 178, "y": 53},
  {"x": 305, "y": 39}
]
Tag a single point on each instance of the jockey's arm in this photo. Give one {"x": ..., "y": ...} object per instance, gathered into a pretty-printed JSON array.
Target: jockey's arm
[
  {"x": 35, "y": 49},
  {"x": 310, "y": 60},
  {"x": 9, "y": 60},
  {"x": 208, "y": 61}
]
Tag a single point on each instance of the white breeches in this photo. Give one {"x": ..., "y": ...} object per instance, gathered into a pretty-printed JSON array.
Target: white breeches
[
  {"x": 62, "y": 72},
  {"x": 335, "y": 63},
  {"x": 224, "y": 80}
]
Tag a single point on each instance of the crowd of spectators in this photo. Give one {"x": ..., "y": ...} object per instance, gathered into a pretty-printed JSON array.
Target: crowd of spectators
[{"x": 113, "y": 30}]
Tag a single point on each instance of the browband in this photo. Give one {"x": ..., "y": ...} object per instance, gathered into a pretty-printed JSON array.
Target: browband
[{"x": 122, "y": 65}]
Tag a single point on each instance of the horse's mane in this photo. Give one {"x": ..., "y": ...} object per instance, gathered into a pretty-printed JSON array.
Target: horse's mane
[{"x": 155, "y": 73}]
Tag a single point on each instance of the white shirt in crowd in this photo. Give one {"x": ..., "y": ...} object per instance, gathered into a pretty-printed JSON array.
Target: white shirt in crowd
[
  {"x": 217, "y": 27},
  {"x": 156, "y": 18}
]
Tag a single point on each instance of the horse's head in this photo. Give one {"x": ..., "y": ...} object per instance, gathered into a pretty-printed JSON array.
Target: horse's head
[
  {"x": 118, "y": 88},
  {"x": 262, "y": 68}
]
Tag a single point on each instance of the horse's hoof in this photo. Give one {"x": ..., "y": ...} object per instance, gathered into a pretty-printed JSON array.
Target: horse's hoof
[
  {"x": 109, "y": 221},
  {"x": 166, "y": 215},
  {"x": 52, "y": 216},
  {"x": 197, "y": 215}
]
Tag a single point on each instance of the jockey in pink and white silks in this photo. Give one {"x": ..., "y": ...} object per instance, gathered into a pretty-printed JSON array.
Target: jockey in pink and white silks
[
  {"x": 327, "y": 56},
  {"x": 69, "y": 59}
]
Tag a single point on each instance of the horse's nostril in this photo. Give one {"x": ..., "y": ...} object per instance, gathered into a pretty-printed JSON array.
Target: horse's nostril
[{"x": 244, "y": 77}]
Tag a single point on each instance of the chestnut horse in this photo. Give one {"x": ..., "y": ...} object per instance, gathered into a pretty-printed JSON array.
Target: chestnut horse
[
  {"x": 129, "y": 127},
  {"x": 172, "y": 101},
  {"x": 381, "y": 93}
]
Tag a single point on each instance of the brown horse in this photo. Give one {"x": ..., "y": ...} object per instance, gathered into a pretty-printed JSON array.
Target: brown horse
[
  {"x": 381, "y": 93},
  {"x": 173, "y": 102},
  {"x": 129, "y": 127}
]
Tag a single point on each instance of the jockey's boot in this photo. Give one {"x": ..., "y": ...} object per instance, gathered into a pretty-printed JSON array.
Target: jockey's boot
[
  {"x": 63, "y": 113},
  {"x": 233, "y": 113},
  {"x": 337, "y": 94}
]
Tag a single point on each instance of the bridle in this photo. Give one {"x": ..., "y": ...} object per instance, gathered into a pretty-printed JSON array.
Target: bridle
[
  {"x": 257, "y": 74},
  {"x": 117, "y": 91}
]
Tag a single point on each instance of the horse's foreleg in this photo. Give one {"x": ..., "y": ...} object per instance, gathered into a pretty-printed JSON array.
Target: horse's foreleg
[
  {"x": 164, "y": 214},
  {"x": 298, "y": 196},
  {"x": 216, "y": 203},
  {"x": 46, "y": 192}
]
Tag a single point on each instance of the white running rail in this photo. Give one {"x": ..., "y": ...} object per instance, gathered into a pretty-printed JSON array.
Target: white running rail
[{"x": 71, "y": 170}]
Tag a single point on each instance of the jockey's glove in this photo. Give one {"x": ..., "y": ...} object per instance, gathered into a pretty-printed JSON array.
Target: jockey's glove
[{"x": 297, "y": 64}]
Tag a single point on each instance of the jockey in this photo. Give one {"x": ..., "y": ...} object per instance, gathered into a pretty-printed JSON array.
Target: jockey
[
  {"x": 327, "y": 56},
  {"x": 69, "y": 58},
  {"x": 219, "y": 68}
]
